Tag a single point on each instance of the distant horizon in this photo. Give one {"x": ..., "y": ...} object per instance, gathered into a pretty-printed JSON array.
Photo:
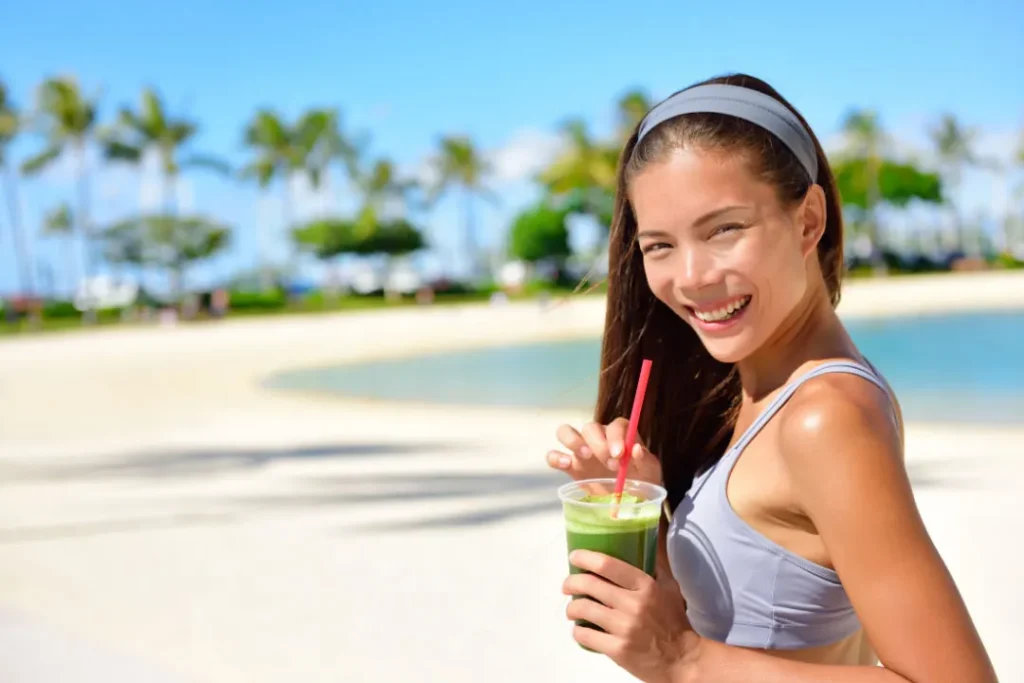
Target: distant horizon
[{"x": 473, "y": 71}]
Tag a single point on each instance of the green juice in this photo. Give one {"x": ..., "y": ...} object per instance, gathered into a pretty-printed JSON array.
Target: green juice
[{"x": 631, "y": 537}]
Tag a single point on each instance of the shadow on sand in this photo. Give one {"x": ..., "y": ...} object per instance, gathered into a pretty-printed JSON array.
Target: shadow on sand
[
  {"x": 503, "y": 495},
  {"x": 203, "y": 461},
  {"x": 91, "y": 529},
  {"x": 506, "y": 495}
]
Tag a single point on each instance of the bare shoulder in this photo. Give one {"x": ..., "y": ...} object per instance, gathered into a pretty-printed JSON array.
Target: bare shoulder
[
  {"x": 836, "y": 417},
  {"x": 842, "y": 448}
]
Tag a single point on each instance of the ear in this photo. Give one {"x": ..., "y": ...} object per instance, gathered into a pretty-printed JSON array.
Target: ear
[{"x": 811, "y": 218}]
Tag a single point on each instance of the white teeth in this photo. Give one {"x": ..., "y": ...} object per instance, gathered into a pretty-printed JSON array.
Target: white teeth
[{"x": 723, "y": 313}]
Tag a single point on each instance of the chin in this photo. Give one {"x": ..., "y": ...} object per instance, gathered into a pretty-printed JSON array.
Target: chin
[{"x": 726, "y": 352}]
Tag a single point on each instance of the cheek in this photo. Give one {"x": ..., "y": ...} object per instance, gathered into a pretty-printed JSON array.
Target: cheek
[
  {"x": 659, "y": 280},
  {"x": 781, "y": 276}
]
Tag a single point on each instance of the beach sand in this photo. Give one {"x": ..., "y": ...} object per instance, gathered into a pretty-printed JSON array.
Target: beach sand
[{"x": 162, "y": 513}]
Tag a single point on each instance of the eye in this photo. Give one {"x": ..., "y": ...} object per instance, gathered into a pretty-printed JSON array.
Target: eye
[
  {"x": 728, "y": 227},
  {"x": 654, "y": 246}
]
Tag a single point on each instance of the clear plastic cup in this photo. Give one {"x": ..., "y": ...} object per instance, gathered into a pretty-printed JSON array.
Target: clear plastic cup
[{"x": 627, "y": 531}]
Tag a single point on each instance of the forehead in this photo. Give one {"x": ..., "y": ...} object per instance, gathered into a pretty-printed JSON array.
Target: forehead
[{"x": 690, "y": 183}]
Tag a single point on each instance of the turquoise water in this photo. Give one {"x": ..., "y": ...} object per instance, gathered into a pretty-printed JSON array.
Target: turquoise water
[{"x": 963, "y": 368}]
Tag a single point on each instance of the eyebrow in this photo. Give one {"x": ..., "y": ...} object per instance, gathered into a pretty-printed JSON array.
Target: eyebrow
[{"x": 710, "y": 215}]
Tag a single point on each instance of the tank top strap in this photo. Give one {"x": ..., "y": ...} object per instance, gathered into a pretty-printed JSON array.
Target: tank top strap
[{"x": 843, "y": 366}]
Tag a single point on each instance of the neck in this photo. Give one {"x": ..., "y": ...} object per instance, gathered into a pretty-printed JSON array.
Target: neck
[{"x": 812, "y": 331}]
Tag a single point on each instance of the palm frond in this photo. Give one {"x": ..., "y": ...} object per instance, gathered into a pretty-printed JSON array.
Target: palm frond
[
  {"x": 116, "y": 150},
  {"x": 263, "y": 170},
  {"x": 59, "y": 221},
  {"x": 37, "y": 163},
  {"x": 152, "y": 112},
  {"x": 207, "y": 161}
]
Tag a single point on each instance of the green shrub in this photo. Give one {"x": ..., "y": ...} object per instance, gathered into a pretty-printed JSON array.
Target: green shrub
[
  {"x": 60, "y": 309},
  {"x": 1008, "y": 261},
  {"x": 258, "y": 301}
]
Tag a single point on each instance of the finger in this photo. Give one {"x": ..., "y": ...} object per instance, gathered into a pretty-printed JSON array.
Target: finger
[
  {"x": 615, "y": 570},
  {"x": 573, "y": 440},
  {"x": 559, "y": 460},
  {"x": 638, "y": 454},
  {"x": 598, "y": 444},
  {"x": 597, "y": 614},
  {"x": 604, "y": 643},
  {"x": 646, "y": 464},
  {"x": 616, "y": 435},
  {"x": 595, "y": 587}
]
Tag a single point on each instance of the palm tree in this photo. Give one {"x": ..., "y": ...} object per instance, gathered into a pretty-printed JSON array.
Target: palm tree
[
  {"x": 584, "y": 174},
  {"x": 1015, "y": 243},
  {"x": 10, "y": 126},
  {"x": 380, "y": 189},
  {"x": 277, "y": 156},
  {"x": 59, "y": 224},
  {"x": 867, "y": 140},
  {"x": 460, "y": 165},
  {"x": 381, "y": 227},
  {"x": 68, "y": 120},
  {"x": 631, "y": 108},
  {"x": 954, "y": 146},
  {"x": 319, "y": 143},
  {"x": 151, "y": 127},
  {"x": 282, "y": 150}
]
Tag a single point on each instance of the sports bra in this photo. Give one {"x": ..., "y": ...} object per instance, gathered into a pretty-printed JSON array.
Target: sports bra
[{"x": 741, "y": 588}]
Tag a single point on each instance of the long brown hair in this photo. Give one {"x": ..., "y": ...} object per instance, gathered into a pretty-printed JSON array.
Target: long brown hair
[{"x": 692, "y": 400}]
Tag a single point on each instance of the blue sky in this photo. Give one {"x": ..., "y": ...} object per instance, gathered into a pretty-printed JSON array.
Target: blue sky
[{"x": 505, "y": 73}]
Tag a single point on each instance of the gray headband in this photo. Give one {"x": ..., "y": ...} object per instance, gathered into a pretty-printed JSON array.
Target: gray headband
[{"x": 743, "y": 103}]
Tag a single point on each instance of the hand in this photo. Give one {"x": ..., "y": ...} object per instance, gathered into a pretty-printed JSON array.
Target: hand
[
  {"x": 595, "y": 450},
  {"x": 646, "y": 629}
]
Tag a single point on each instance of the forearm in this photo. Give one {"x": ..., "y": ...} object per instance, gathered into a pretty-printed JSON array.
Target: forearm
[{"x": 713, "y": 662}]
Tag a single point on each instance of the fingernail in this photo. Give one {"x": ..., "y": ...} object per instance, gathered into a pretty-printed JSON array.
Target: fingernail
[
  {"x": 585, "y": 452},
  {"x": 564, "y": 461},
  {"x": 616, "y": 450},
  {"x": 637, "y": 451}
]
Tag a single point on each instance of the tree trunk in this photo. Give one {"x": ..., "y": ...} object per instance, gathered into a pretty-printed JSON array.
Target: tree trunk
[
  {"x": 286, "y": 204},
  {"x": 84, "y": 229},
  {"x": 170, "y": 192},
  {"x": 177, "y": 281},
  {"x": 952, "y": 177},
  {"x": 958, "y": 230},
  {"x": 873, "y": 200},
  {"x": 261, "y": 250},
  {"x": 470, "y": 236},
  {"x": 325, "y": 196},
  {"x": 18, "y": 234},
  {"x": 286, "y": 217},
  {"x": 67, "y": 247}
]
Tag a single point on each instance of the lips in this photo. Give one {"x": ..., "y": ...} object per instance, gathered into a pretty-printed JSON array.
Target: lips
[
  {"x": 720, "y": 315},
  {"x": 721, "y": 311}
]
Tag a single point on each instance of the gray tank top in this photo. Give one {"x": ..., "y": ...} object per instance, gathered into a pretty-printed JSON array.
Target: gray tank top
[{"x": 740, "y": 587}]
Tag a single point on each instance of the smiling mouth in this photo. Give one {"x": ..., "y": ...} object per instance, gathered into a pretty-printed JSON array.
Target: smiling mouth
[{"x": 724, "y": 313}]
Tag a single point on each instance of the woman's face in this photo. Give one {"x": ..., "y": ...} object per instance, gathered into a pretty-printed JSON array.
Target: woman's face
[{"x": 720, "y": 250}]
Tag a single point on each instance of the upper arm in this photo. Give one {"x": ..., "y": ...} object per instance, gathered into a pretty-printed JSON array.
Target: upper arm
[{"x": 843, "y": 454}]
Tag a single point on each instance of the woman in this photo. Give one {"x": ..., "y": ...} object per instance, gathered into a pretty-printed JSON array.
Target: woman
[{"x": 794, "y": 550}]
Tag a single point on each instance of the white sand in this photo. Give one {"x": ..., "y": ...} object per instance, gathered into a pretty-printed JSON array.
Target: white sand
[{"x": 157, "y": 503}]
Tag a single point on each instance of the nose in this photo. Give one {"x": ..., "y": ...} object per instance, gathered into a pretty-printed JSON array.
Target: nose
[{"x": 696, "y": 269}]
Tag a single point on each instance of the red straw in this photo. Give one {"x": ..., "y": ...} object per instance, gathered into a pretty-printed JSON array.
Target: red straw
[{"x": 634, "y": 422}]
